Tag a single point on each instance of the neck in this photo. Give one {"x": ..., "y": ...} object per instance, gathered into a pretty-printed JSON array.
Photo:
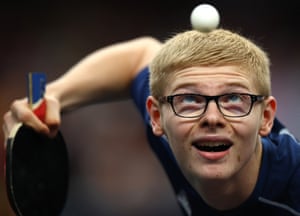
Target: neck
[{"x": 225, "y": 194}]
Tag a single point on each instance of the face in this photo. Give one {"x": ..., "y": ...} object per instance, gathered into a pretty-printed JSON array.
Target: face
[{"x": 213, "y": 147}]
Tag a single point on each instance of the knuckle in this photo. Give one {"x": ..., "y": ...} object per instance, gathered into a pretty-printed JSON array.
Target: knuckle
[{"x": 7, "y": 116}]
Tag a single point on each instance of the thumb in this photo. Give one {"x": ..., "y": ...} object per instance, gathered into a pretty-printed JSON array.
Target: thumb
[{"x": 53, "y": 117}]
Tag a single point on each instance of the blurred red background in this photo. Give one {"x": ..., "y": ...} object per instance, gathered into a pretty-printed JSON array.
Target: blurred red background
[{"x": 113, "y": 170}]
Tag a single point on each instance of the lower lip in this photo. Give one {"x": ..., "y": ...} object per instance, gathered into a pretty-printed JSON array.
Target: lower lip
[{"x": 213, "y": 156}]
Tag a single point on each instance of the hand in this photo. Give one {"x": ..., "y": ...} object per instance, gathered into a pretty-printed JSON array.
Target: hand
[{"x": 20, "y": 112}]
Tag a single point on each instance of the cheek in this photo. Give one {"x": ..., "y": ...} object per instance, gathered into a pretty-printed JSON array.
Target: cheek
[
  {"x": 249, "y": 126},
  {"x": 247, "y": 137},
  {"x": 177, "y": 132},
  {"x": 174, "y": 131}
]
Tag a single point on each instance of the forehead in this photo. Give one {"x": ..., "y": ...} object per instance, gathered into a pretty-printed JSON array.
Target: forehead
[{"x": 211, "y": 79}]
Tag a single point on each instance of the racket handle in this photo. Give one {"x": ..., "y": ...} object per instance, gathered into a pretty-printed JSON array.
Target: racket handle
[
  {"x": 40, "y": 111},
  {"x": 36, "y": 90}
]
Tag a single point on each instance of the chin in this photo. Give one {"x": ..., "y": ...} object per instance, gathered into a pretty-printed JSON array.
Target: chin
[{"x": 210, "y": 173}]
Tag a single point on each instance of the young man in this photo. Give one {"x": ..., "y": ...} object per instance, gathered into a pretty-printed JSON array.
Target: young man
[{"x": 209, "y": 115}]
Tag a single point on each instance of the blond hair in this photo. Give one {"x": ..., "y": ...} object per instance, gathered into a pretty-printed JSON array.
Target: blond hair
[{"x": 216, "y": 48}]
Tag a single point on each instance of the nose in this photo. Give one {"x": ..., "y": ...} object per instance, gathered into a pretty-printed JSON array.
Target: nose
[{"x": 212, "y": 116}]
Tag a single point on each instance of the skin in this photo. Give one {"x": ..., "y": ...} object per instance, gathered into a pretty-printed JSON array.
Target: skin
[
  {"x": 104, "y": 75},
  {"x": 97, "y": 78},
  {"x": 231, "y": 174}
]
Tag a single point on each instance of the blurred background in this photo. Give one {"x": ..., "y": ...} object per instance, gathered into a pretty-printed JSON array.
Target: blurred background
[{"x": 113, "y": 171}]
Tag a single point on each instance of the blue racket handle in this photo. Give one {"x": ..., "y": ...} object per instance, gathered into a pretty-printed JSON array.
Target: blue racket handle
[{"x": 36, "y": 89}]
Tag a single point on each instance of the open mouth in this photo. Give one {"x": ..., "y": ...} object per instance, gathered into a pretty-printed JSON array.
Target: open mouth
[{"x": 213, "y": 147}]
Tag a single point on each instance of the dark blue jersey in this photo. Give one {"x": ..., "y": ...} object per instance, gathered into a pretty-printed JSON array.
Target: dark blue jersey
[{"x": 277, "y": 191}]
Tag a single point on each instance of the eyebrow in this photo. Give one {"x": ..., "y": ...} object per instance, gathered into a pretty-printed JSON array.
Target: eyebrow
[{"x": 194, "y": 88}]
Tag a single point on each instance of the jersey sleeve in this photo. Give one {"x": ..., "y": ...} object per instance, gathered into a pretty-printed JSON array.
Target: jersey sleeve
[
  {"x": 140, "y": 91},
  {"x": 283, "y": 167}
]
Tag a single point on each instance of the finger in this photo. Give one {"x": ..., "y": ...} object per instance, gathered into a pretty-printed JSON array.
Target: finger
[
  {"x": 8, "y": 123},
  {"x": 52, "y": 119},
  {"x": 21, "y": 112}
]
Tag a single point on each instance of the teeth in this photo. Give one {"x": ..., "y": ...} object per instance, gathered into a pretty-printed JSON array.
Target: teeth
[
  {"x": 213, "y": 147},
  {"x": 212, "y": 144}
]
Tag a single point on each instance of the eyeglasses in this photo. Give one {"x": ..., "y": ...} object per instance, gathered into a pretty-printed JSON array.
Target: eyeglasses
[{"x": 195, "y": 105}]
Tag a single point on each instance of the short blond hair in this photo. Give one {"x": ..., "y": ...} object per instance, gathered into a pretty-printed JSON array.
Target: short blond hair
[{"x": 217, "y": 48}]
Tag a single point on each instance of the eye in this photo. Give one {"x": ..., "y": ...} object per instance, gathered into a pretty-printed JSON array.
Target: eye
[
  {"x": 188, "y": 104},
  {"x": 232, "y": 98},
  {"x": 189, "y": 99}
]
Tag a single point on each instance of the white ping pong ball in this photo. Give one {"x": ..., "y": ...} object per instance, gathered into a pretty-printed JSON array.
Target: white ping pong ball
[{"x": 205, "y": 18}]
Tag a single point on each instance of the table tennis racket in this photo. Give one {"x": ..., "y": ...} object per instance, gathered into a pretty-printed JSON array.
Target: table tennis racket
[{"x": 37, "y": 166}]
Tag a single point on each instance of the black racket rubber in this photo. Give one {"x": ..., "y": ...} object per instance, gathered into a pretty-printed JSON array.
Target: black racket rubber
[{"x": 37, "y": 173}]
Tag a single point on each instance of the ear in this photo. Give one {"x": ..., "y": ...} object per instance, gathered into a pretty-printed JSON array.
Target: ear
[
  {"x": 268, "y": 116},
  {"x": 152, "y": 106}
]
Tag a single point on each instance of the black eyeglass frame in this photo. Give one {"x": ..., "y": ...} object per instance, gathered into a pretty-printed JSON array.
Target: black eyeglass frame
[{"x": 170, "y": 98}]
